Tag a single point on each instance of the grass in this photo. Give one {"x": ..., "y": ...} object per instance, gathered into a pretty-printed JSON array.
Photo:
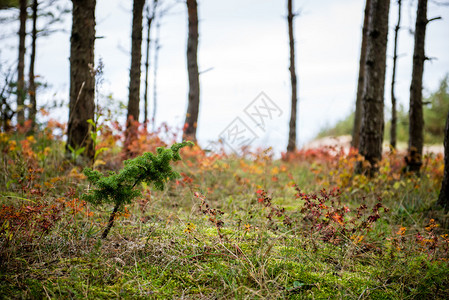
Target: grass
[{"x": 230, "y": 227}]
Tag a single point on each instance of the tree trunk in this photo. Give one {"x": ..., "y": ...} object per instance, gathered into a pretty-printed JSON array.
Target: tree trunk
[
  {"x": 416, "y": 119},
  {"x": 136, "y": 57},
  {"x": 372, "y": 128},
  {"x": 21, "y": 65},
  {"x": 32, "y": 85},
  {"x": 192, "y": 68},
  {"x": 150, "y": 17},
  {"x": 132, "y": 117},
  {"x": 110, "y": 222},
  {"x": 157, "y": 47},
  {"x": 443, "y": 199},
  {"x": 358, "y": 103},
  {"x": 82, "y": 81},
  {"x": 292, "y": 126},
  {"x": 393, "y": 81}
]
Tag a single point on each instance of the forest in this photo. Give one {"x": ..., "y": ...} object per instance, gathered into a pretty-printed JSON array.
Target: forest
[{"x": 108, "y": 203}]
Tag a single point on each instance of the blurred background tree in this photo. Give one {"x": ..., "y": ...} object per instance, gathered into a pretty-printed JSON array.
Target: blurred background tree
[
  {"x": 435, "y": 112},
  {"x": 436, "y": 107}
]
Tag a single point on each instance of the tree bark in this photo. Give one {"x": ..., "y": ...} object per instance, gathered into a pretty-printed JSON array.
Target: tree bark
[
  {"x": 292, "y": 125},
  {"x": 136, "y": 57},
  {"x": 416, "y": 118},
  {"x": 32, "y": 84},
  {"x": 358, "y": 103},
  {"x": 372, "y": 128},
  {"x": 82, "y": 80},
  {"x": 393, "y": 81},
  {"x": 443, "y": 199},
  {"x": 21, "y": 63},
  {"x": 192, "y": 68}
]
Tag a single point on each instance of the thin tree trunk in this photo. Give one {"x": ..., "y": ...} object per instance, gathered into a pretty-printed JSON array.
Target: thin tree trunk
[
  {"x": 150, "y": 17},
  {"x": 32, "y": 85},
  {"x": 372, "y": 128},
  {"x": 416, "y": 119},
  {"x": 147, "y": 68},
  {"x": 82, "y": 82},
  {"x": 443, "y": 199},
  {"x": 21, "y": 65},
  {"x": 110, "y": 222},
  {"x": 136, "y": 57},
  {"x": 358, "y": 103},
  {"x": 157, "y": 47},
  {"x": 393, "y": 81},
  {"x": 192, "y": 68},
  {"x": 292, "y": 125}
]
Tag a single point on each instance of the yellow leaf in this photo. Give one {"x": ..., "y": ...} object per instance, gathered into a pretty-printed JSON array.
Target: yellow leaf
[
  {"x": 99, "y": 162},
  {"x": 31, "y": 139},
  {"x": 396, "y": 185},
  {"x": 74, "y": 173}
]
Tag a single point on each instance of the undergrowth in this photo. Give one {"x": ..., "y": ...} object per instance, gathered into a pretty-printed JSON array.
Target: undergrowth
[{"x": 252, "y": 227}]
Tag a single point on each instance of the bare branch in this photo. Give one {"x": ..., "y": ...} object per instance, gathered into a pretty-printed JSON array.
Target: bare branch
[
  {"x": 205, "y": 71},
  {"x": 433, "y": 19}
]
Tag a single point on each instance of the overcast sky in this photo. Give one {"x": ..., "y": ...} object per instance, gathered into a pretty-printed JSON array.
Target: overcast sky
[{"x": 246, "y": 44}]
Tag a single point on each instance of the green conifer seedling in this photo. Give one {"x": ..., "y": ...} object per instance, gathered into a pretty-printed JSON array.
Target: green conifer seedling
[{"x": 119, "y": 188}]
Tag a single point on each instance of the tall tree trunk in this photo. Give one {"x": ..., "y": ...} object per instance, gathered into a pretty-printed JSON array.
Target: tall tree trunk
[
  {"x": 134, "y": 74},
  {"x": 82, "y": 81},
  {"x": 150, "y": 17},
  {"x": 362, "y": 62},
  {"x": 136, "y": 57},
  {"x": 292, "y": 126},
  {"x": 21, "y": 65},
  {"x": 192, "y": 68},
  {"x": 393, "y": 81},
  {"x": 372, "y": 128},
  {"x": 416, "y": 119},
  {"x": 443, "y": 198},
  {"x": 157, "y": 47},
  {"x": 32, "y": 84}
]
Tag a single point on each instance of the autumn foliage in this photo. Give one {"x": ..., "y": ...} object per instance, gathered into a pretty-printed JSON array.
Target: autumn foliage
[{"x": 254, "y": 214}]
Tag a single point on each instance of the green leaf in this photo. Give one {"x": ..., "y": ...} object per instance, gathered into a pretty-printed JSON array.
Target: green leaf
[
  {"x": 79, "y": 151},
  {"x": 8, "y": 184},
  {"x": 99, "y": 151},
  {"x": 91, "y": 122}
]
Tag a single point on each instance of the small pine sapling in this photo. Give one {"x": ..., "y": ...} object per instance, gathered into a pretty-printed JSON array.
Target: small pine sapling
[{"x": 118, "y": 188}]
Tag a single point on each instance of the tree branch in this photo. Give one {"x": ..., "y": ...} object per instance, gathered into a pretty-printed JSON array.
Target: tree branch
[{"x": 433, "y": 19}]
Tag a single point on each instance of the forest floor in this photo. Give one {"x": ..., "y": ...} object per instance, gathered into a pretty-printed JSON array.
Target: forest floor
[{"x": 249, "y": 227}]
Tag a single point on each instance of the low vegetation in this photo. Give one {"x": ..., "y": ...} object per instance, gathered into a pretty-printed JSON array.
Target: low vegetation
[{"x": 252, "y": 227}]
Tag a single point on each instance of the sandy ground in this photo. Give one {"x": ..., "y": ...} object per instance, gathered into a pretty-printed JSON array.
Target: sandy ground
[{"x": 345, "y": 142}]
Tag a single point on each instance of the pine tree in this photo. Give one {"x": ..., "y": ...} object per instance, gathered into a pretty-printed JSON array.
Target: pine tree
[{"x": 119, "y": 188}]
